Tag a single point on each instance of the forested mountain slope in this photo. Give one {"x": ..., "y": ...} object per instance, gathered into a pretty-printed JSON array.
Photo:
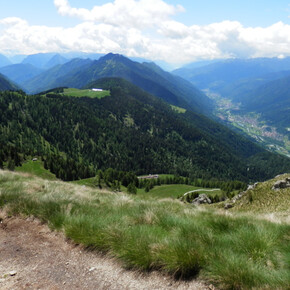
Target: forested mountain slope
[{"x": 128, "y": 130}]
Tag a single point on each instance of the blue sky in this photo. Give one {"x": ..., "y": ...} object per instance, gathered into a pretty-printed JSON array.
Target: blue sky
[
  {"x": 169, "y": 30},
  {"x": 200, "y": 12}
]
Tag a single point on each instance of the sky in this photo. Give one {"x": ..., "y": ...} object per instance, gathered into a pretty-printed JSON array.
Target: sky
[{"x": 174, "y": 31}]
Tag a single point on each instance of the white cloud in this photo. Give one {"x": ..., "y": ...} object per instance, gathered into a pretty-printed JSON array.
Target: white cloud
[
  {"x": 127, "y": 13},
  {"x": 144, "y": 28}
]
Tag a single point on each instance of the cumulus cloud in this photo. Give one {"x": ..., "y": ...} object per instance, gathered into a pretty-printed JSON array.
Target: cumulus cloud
[
  {"x": 144, "y": 28},
  {"x": 127, "y": 13}
]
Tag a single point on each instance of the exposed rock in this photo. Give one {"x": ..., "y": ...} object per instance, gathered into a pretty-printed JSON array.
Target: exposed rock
[
  {"x": 252, "y": 186},
  {"x": 280, "y": 184},
  {"x": 256, "y": 184},
  {"x": 12, "y": 273},
  {"x": 228, "y": 205},
  {"x": 201, "y": 199}
]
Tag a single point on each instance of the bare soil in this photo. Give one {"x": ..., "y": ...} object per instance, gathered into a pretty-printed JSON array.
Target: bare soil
[{"x": 42, "y": 259}]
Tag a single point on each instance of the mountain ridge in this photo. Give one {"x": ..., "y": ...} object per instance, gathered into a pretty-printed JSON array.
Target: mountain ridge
[
  {"x": 149, "y": 77},
  {"x": 7, "y": 85}
]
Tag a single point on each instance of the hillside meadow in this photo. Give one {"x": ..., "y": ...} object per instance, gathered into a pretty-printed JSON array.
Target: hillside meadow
[{"x": 232, "y": 251}]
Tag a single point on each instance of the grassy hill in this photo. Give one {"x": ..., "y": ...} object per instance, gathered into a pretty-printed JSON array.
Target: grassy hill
[
  {"x": 230, "y": 251},
  {"x": 264, "y": 200},
  {"x": 36, "y": 168},
  {"x": 72, "y": 92}
]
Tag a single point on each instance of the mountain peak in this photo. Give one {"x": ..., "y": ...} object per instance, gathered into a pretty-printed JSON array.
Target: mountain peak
[{"x": 113, "y": 56}]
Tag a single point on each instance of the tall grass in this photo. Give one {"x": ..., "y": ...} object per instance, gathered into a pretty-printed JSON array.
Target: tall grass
[{"x": 166, "y": 235}]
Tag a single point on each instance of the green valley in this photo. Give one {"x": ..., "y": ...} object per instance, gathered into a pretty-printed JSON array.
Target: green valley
[{"x": 252, "y": 124}]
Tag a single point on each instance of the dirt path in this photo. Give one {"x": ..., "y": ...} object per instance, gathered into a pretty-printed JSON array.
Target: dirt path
[
  {"x": 42, "y": 259},
  {"x": 201, "y": 189}
]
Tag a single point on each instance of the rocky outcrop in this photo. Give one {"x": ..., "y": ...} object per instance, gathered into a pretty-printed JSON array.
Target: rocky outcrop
[
  {"x": 280, "y": 184},
  {"x": 252, "y": 186},
  {"x": 201, "y": 199},
  {"x": 237, "y": 197}
]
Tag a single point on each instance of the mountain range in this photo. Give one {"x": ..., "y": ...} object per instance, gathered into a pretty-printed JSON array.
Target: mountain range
[
  {"x": 258, "y": 85},
  {"x": 79, "y": 72},
  {"x": 218, "y": 74}
]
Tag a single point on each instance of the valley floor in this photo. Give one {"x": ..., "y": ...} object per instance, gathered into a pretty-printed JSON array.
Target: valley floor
[
  {"x": 45, "y": 260},
  {"x": 251, "y": 124}
]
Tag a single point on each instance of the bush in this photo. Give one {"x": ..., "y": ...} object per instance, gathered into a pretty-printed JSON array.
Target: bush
[{"x": 132, "y": 188}]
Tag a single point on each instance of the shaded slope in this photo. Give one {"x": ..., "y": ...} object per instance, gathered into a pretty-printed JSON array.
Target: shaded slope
[
  {"x": 20, "y": 73},
  {"x": 7, "y": 85},
  {"x": 54, "y": 77}
]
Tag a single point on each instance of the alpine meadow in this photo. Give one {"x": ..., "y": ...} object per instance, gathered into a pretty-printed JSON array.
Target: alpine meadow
[{"x": 144, "y": 144}]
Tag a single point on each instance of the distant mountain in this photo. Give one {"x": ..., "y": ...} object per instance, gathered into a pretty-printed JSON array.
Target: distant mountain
[
  {"x": 7, "y": 85},
  {"x": 56, "y": 76},
  {"x": 82, "y": 55},
  {"x": 18, "y": 58},
  {"x": 45, "y": 60},
  {"x": 147, "y": 76},
  {"x": 239, "y": 89},
  {"x": 272, "y": 101},
  {"x": 20, "y": 73},
  {"x": 4, "y": 61},
  {"x": 261, "y": 85},
  {"x": 55, "y": 60},
  {"x": 217, "y": 75},
  {"x": 197, "y": 64},
  {"x": 38, "y": 60}
]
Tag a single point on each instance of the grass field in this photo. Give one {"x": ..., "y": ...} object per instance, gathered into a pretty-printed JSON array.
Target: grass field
[
  {"x": 85, "y": 93},
  {"x": 178, "y": 109},
  {"x": 158, "y": 192},
  {"x": 229, "y": 250},
  {"x": 36, "y": 168},
  {"x": 87, "y": 182},
  {"x": 172, "y": 191}
]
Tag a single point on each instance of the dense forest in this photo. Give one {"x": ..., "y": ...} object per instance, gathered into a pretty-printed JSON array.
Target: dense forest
[{"x": 129, "y": 130}]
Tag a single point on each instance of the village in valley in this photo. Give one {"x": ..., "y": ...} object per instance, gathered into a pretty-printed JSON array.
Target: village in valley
[{"x": 251, "y": 124}]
